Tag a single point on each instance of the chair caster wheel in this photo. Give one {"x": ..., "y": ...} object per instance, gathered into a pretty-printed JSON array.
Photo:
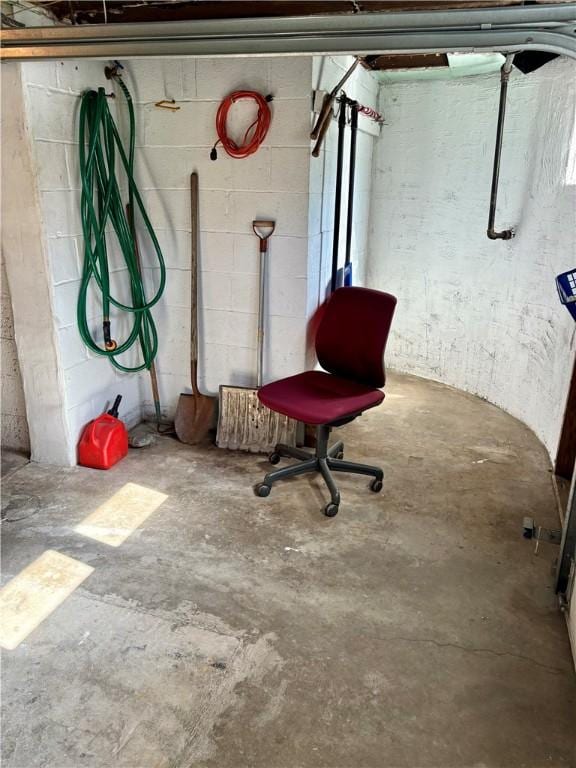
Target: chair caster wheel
[
  {"x": 263, "y": 490},
  {"x": 340, "y": 455},
  {"x": 376, "y": 485},
  {"x": 330, "y": 510},
  {"x": 274, "y": 458}
]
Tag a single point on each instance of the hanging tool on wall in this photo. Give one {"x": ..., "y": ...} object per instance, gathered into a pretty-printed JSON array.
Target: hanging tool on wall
[
  {"x": 505, "y": 234},
  {"x": 327, "y": 104},
  {"x": 244, "y": 423},
  {"x": 344, "y": 277},
  {"x": 102, "y": 210},
  {"x": 338, "y": 190},
  {"x": 256, "y": 131},
  {"x": 195, "y": 412}
]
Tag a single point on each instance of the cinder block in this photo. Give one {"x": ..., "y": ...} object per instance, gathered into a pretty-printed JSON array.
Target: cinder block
[
  {"x": 189, "y": 78},
  {"x": 164, "y": 167},
  {"x": 215, "y": 291},
  {"x": 175, "y": 247},
  {"x": 218, "y": 77},
  {"x": 72, "y": 349},
  {"x": 40, "y": 73},
  {"x": 241, "y": 367},
  {"x": 288, "y": 257},
  {"x": 168, "y": 208},
  {"x": 290, "y": 126},
  {"x": 315, "y": 214},
  {"x": 10, "y": 367},
  {"x": 152, "y": 80},
  {"x": 217, "y": 252},
  {"x": 252, "y": 172},
  {"x": 176, "y": 289},
  {"x": 51, "y": 165},
  {"x": 92, "y": 378},
  {"x": 291, "y": 77},
  {"x": 212, "y": 368},
  {"x": 65, "y": 299},
  {"x": 63, "y": 257},
  {"x": 246, "y": 254},
  {"x": 286, "y": 336},
  {"x": 245, "y": 290},
  {"x": 61, "y": 213},
  {"x": 216, "y": 211},
  {"x": 52, "y": 114},
  {"x": 290, "y": 169},
  {"x": 190, "y": 126},
  {"x": 289, "y": 210},
  {"x": 288, "y": 297}
]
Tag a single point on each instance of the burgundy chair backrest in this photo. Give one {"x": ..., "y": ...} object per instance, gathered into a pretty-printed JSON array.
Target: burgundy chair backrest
[{"x": 353, "y": 332}]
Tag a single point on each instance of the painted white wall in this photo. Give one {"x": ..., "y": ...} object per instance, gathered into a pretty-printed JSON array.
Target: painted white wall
[
  {"x": 52, "y": 94},
  {"x": 170, "y": 144},
  {"x": 363, "y": 87},
  {"x": 482, "y": 316},
  {"x": 26, "y": 262},
  {"x": 272, "y": 183},
  {"x": 13, "y": 407}
]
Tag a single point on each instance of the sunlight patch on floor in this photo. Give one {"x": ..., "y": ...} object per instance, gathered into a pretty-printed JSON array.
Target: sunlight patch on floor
[
  {"x": 32, "y": 595},
  {"x": 121, "y": 515}
]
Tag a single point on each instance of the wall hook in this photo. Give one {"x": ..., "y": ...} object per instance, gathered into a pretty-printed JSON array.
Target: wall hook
[{"x": 167, "y": 104}]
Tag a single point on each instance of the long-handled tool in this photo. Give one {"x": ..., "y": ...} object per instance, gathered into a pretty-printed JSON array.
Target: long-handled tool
[
  {"x": 338, "y": 195},
  {"x": 506, "y": 234},
  {"x": 326, "y": 109},
  {"x": 195, "y": 412},
  {"x": 344, "y": 277},
  {"x": 245, "y": 424}
]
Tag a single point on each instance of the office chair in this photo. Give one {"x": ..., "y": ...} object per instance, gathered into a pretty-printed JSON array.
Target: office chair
[{"x": 350, "y": 346}]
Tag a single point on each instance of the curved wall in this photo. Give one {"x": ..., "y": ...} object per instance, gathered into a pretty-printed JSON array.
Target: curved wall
[{"x": 482, "y": 316}]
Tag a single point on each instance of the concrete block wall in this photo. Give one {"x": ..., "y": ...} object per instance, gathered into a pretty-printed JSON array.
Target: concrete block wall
[
  {"x": 52, "y": 93},
  {"x": 480, "y": 315},
  {"x": 13, "y": 407},
  {"x": 273, "y": 183},
  {"x": 363, "y": 87}
]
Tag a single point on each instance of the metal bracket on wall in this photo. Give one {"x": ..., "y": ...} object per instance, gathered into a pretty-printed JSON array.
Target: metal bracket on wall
[{"x": 538, "y": 533}]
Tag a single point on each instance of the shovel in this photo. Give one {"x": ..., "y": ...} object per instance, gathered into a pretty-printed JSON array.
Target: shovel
[{"x": 195, "y": 412}]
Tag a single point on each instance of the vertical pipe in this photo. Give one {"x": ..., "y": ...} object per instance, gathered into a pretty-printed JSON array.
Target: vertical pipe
[
  {"x": 504, "y": 77},
  {"x": 351, "y": 177},
  {"x": 338, "y": 195}
]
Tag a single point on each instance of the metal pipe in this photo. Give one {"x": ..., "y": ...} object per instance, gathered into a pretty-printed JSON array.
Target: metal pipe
[
  {"x": 354, "y": 107},
  {"x": 338, "y": 193},
  {"x": 505, "y": 234},
  {"x": 539, "y": 27}
]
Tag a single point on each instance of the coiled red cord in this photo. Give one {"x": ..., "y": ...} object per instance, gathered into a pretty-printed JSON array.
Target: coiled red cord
[{"x": 256, "y": 132}]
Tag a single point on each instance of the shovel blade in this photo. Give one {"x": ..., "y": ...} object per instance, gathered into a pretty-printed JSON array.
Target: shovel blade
[{"x": 195, "y": 415}]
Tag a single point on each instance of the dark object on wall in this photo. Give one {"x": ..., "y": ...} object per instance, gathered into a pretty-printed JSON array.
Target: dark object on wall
[
  {"x": 346, "y": 278},
  {"x": 104, "y": 440},
  {"x": 405, "y": 61},
  {"x": 327, "y": 104},
  {"x": 338, "y": 192},
  {"x": 505, "y": 234},
  {"x": 530, "y": 61},
  {"x": 256, "y": 131},
  {"x": 194, "y": 412}
]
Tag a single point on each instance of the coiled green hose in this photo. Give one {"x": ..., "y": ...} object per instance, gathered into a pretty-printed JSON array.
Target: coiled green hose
[{"x": 100, "y": 147}]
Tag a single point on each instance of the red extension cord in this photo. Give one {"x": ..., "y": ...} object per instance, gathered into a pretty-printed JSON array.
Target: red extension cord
[{"x": 256, "y": 132}]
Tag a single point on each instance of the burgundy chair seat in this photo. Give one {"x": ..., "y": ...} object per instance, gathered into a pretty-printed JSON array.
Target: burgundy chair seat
[{"x": 315, "y": 397}]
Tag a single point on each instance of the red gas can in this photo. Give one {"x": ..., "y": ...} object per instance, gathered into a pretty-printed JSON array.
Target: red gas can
[{"x": 104, "y": 440}]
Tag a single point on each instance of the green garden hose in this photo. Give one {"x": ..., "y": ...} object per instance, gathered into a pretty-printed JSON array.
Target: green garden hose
[{"x": 101, "y": 151}]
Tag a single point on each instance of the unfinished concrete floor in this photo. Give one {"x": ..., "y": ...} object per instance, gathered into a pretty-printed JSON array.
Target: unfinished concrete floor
[{"x": 415, "y": 629}]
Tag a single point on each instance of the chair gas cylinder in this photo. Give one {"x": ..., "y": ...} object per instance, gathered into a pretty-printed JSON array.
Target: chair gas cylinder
[{"x": 104, "y": 440}]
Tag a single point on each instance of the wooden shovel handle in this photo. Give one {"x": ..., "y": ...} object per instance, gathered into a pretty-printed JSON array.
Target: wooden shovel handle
[{"x": 194, "y": 201}]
